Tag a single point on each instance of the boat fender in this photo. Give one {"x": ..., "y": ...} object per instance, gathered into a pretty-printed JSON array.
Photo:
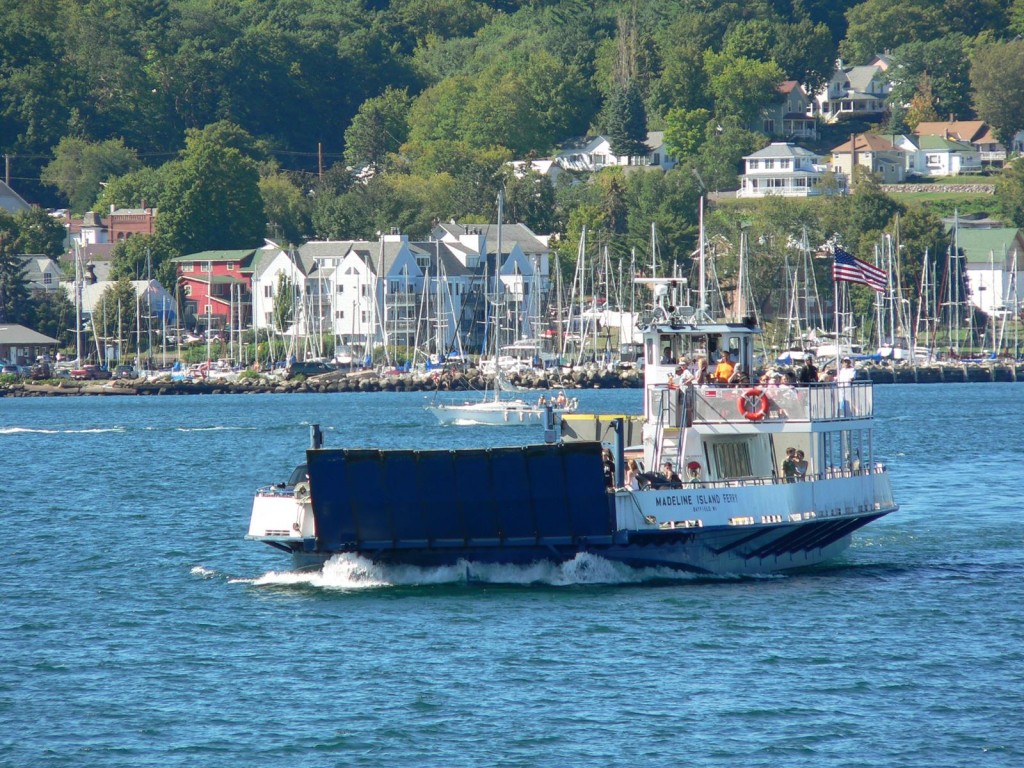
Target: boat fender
[
  {"x": 753, "y": 404},
  {"x": 301, "y": 490}
]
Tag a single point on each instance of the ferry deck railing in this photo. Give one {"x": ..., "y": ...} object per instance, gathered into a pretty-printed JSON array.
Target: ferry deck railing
[{"x": 814, "y": 402}]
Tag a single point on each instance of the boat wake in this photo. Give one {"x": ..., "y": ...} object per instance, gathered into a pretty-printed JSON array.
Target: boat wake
[
  {"x": 348, "y": 572},
  {"x": 40, "y": 431}
]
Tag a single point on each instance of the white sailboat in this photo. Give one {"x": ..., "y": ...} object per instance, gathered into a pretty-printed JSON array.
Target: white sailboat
[{"x": 497, "y": 408}]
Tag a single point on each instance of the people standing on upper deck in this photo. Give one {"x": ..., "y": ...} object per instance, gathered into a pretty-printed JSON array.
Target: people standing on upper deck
[
  {"x": 724, "y": 369},
  {"x": 700, "y": 375},
  {"x": 739, "y": 377},
  {"x": 684, "y": 376},
  {"x": 808, "y": 372},
  {"x": 847, "y": 372}
]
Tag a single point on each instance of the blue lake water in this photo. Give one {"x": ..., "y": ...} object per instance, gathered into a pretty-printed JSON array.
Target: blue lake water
[{"x": 139, "y": 628}]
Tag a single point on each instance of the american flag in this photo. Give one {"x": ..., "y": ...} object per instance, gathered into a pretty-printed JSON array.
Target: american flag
[{"x": 849, "y": 269}]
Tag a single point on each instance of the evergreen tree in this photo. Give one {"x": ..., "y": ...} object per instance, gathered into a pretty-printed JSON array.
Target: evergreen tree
[
  {"x": 625, "y": 121},
  {"x": 14, "y": 294}
]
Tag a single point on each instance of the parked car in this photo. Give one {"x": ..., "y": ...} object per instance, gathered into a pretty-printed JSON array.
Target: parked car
[
  {"x": 12, "y": 369},
  {"x": 125, "y": 372},
  {"x": 308, "y": 368},
  {"x": 40, "y": 370},
  {"x": 90, "y": 372}
]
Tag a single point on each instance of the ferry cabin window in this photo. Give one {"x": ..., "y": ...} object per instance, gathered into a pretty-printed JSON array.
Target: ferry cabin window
[{"x": 732, "y": 459}]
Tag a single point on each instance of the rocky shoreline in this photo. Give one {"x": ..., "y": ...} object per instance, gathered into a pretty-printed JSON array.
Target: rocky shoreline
[{"x": 368, "y": 381}]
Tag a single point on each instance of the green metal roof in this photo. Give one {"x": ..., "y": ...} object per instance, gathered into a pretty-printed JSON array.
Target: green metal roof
[
  {"x": 215, "y": 256},
  {"x": 977, "y": 244}
]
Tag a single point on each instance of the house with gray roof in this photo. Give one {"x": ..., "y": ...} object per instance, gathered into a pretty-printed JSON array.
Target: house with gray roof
[
  {"x": 939, "y": 156},
  {"x": 22, "y": 346},
  {"x": 855, "y": 92},
  {"x": 41, "y": 273},
  {"x": 785, "y": 169}
]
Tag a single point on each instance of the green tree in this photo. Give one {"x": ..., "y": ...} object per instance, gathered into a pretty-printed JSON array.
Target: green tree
[
  {"x": 212, "y": 200},
  {"x": 80, "y": 168},
  {"x": 625, "y": 121},
  {"x": 530, "y": 199},
  {"x": 685, "y": 131},
  {"x": 944, "y": 63},
  {"x": 14, "y": 294},
  {"x": 379, "y": 128},
  {"x": 142, "y": 188},
  {"x": 1010, "y": 192},
  {"x": 741, "y": 86},
  {"x": 143, "y": 256},
  {"x": 803, "y": 50},
  {"x": 53, "y": 314},
  {"x": 113, "y": 318},
  {"x": 720, "y": 159},
  {"x": 876, "y": 26},
  {"x": 284, "y": 303},
  {"x": 287, "y": 207},
  {"x": 997, "y": 75},
  {"x": 39, "y": 233}
]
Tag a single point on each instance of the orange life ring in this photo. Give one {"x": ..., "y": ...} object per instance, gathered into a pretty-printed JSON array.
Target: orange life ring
[{"x": 746, "y": 404}]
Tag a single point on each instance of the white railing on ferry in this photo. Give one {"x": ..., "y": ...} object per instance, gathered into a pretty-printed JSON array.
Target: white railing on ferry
[{"x": 817, "y": 402}]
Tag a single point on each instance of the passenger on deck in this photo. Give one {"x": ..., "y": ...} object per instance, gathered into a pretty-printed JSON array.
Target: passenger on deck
[
  {"x": 561, "y": 401},
  {"x": 701, "y": 376},
  {"x": 789, "y": 466},
  {"x": 801, "y": 466},
  {"x": 739, "y": 377},
  {"x": 724, "y": 369},
  {"x": 609, "y": 468},
  {"x": 542, "y": 402},
  {"x": 674, "y": 479},
  {"x": 632, "y": 476},
  {"x": 808, "y": 372},
  {"x": 847, "y": 372},
  {"x": 684, "y": 374}
]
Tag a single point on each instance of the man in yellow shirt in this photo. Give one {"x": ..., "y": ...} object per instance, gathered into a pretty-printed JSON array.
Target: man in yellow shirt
[{"x": 724, "y": 369}]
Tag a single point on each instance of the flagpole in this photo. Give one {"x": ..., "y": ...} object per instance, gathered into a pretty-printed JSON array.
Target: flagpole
[{"x": 835, "y": 310}]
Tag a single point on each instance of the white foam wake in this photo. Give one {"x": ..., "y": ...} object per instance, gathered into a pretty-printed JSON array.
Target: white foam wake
[{"x": 352, "y": 572}]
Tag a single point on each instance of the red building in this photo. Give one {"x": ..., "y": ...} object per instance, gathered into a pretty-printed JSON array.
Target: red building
[{"x": 215, "y": 289}]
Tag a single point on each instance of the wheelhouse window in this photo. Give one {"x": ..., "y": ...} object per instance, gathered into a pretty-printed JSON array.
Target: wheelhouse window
[{"x": 732, "y": 459}]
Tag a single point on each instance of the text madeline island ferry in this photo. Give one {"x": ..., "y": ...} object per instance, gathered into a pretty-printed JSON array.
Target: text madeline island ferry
[{"x": 735, "y": 511}]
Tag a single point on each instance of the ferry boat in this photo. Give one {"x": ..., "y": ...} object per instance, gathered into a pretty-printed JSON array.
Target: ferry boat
[{"x": 735, "y": 510}]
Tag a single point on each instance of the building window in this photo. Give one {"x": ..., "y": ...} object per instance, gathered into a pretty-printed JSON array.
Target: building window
[
  {"x": 341, "y": 288},
  {"x": 364, "y": 290},
  {"x": 47, "y": 278},
  {"x": 753, "y": 165},
  {"x": 231, "y": 266},
  {"x": 339, "y": 314},
  {"x": 769, "y": 164},
  {"x": 268, "y": 291},
  {"x": 188, "y": 267},
  {"x": 363, "y": 316},
  {"x": 784, "y": 164}
]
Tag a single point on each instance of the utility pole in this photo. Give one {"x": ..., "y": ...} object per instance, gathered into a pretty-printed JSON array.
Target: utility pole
[{"x": 320, "y": 160}]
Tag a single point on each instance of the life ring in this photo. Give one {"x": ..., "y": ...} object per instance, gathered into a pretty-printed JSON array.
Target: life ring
[
  {"x": 746, "y": 404},
  {"x": 693, "y": 469}
]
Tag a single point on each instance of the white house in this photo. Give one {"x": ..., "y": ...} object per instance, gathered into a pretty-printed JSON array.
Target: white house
[
  {"x": 41, "y": 273},
  {"x": 785, "y": 169},
  {"x": 855, "y": 92},
  {"x": 595, "y": 152},
  {"x": 938, "y": 156},
  {"x": 994, "y": 261}
]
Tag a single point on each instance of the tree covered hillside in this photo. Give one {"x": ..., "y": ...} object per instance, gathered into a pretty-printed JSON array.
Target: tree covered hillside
[{"x": 340, "y": 118}]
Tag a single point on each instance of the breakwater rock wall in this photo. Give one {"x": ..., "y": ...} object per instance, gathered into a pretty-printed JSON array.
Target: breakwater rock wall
[
  {"x": 467, "y": 382},
  {"x": 334, "y": 382}
]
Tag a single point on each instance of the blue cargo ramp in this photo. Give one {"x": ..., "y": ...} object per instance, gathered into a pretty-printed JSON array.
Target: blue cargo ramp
[{"x": 540, "y": 500}]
